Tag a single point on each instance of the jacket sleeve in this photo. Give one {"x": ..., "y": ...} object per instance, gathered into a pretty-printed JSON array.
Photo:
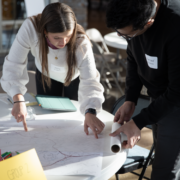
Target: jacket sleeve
[
  {"x": 133, "y": 82},
  {"x": 169, "y": 101},
  {"x": 15, "y": 75},
  {"x": 90, "y": 92}
]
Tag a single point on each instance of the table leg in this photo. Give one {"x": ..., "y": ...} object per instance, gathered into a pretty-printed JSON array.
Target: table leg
[{"x": 117, "y": 176}]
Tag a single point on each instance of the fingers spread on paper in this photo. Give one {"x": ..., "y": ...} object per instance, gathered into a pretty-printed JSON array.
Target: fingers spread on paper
[{"x": 94, "y": 123}]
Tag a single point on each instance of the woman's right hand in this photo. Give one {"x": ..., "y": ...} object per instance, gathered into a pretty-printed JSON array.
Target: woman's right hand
[
  {"x": 19, "y": 110},
  {"x": 125, "y": 112}
]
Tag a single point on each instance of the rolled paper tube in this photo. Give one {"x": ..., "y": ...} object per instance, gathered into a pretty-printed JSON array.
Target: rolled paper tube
[{"x": 116, "y": 141}]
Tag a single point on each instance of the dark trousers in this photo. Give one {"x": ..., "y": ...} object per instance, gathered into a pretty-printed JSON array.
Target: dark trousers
[
  {"x": 57, "y": 88},
  {"x": 166, "y": 134}
]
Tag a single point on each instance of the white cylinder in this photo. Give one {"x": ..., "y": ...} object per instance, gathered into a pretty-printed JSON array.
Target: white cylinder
[{"x": 117, "y": 140}]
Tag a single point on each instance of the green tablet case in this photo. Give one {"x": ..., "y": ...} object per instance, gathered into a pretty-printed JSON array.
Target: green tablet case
[{"x": 55, "y": 103}]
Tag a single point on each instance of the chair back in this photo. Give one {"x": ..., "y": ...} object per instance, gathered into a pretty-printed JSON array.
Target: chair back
[
  {"x": 96, "y": 36},
  {"x": 97, "y": 48}
]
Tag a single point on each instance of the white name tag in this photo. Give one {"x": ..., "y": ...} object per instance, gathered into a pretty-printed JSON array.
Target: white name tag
[
  {"x": 57, "y": 68},
  {"x": 152, "y": 61}
]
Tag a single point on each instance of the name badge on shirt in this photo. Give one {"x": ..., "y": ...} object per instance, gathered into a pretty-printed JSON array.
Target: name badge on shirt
[
  {"x": 152, "y": 61},
  {"x": 57, "y": 68}
]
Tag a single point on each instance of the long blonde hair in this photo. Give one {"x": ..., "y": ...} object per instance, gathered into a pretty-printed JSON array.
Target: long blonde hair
[{"x": 57, "y": 18}]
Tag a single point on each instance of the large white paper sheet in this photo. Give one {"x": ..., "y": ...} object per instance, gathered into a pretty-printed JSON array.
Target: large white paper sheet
[{"x": 62, "y": 146}]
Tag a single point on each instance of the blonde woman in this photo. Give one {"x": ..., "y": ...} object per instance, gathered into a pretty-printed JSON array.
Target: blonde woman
[{"x": 63, "y": 57}]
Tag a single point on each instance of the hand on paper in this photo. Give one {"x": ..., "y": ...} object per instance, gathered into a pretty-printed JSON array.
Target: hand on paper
[
  {"x": 19, "y": 111},
  {"x": 132, "y": 132},
  {"x": 94, "y": 123},
  {"x": 125, "y": 112}
]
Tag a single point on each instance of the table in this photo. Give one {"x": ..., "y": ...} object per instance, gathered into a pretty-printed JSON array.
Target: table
[
  {"x": 118, "y": 42},
  {"x": 111, "y": 162}
]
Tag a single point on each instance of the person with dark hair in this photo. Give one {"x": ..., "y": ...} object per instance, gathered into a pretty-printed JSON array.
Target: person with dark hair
[
  {"x": 63, "y": 56},
  {"x": 152, "y": 30}
]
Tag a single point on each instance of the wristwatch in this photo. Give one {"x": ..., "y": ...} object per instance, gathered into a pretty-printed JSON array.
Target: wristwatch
[{"x": 91, "y": 111}]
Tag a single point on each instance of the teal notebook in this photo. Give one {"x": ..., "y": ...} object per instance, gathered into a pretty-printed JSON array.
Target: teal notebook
[{"x": 55, "y": 103}]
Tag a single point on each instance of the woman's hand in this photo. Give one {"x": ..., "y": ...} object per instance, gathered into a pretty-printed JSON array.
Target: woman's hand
[
  {"x": 94, "y": 123},
  {"x": 19, "y": 110},
  {"x": 125, "y": 112}
]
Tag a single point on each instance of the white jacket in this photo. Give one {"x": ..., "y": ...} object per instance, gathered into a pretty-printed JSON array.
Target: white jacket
[{"x": 15, "y": 76}]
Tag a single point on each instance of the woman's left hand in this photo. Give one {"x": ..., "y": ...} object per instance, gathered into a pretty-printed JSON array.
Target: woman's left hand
[{"x": 94, "y": 123}]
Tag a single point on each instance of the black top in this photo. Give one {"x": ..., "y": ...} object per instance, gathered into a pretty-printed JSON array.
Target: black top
[{"x": 154, "y": 61}]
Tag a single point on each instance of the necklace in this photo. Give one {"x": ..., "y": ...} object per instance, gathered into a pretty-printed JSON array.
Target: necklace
[
  {"x": 56, "y": 55},
  {"x": 53, "y": 47}
]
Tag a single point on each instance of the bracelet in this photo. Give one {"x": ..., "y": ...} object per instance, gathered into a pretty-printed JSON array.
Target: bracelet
[
  {"x": 91, "y": 111},
  {"x": 18, "y": 101}
]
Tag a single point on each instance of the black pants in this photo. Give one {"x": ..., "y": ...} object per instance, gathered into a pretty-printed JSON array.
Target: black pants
[
  {"x": 166, "y": 134},
  {"x": 57, "y": 88}
]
